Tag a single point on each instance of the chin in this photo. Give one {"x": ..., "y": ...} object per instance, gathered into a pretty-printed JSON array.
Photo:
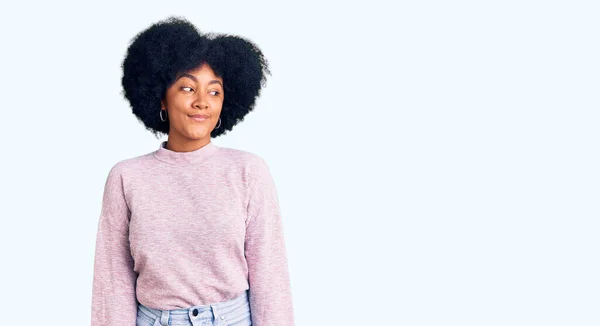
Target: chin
[{"x": 197, "y": 135}]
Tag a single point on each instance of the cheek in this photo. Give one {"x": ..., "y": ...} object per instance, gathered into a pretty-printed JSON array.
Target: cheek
[
  {"x": 217, "y": 104},
  {"x": 177, "y": 101},
  {"x": 183, "y": 102}
]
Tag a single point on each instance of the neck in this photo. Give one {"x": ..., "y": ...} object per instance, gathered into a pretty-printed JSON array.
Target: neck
[{"x": 181, "y": 144}]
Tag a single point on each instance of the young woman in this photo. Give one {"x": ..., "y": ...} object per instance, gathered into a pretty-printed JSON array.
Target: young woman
[{"x": 191, "y": 234}]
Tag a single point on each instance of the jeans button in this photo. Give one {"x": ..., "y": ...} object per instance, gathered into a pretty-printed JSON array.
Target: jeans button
[{"x": 195, "y": 312}]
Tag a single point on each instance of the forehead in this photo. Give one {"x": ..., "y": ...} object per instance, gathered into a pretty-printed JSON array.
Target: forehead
[{"x": 202, "y": 72}]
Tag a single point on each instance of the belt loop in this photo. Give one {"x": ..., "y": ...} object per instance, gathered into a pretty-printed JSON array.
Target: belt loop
[
  {"x": 216, "y": 314},
  {"x": 164, "y": 317}
]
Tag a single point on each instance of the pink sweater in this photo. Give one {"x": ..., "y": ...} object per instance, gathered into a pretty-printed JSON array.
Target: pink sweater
[{"x": 179, "y": 229}]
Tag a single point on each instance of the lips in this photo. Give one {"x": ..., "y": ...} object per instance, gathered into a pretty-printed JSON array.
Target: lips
[{"x": 199, "y": 117}]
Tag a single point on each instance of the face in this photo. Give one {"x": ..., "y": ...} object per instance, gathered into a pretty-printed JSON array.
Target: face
[{"x": 194, "y": 103}]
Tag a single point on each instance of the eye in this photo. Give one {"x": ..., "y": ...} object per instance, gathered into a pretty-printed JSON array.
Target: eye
[
  {"x": 187, "y": 89},
  {"x": 215, "y": 93}
]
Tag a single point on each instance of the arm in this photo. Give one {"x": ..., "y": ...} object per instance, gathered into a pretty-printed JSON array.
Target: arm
[
  {"x": 270, "y": 290},
  {"x": 113, "y": 295}
]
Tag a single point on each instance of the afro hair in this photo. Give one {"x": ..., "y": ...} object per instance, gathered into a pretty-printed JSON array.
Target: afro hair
[{"x": 158, "y": 54}]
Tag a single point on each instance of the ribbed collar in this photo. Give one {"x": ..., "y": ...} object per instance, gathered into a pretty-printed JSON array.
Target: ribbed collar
[{"x": 185, "y": 158}]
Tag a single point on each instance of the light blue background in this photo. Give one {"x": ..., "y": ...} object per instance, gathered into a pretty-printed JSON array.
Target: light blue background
[{"x": 437, "y": 162}]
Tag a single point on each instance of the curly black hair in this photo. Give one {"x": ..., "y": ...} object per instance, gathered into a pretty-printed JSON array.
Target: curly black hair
[{"x": 158, "y": 54}]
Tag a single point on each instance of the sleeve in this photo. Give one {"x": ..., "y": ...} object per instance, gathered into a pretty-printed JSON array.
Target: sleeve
[
  {"x": 113, "y": 294},
  {"x": 268, "y": 275}
]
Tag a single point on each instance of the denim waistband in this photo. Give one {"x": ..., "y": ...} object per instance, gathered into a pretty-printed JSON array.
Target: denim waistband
[{"x": 212, "y": 311}]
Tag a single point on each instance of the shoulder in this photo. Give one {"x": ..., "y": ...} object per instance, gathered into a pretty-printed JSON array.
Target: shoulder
[
  {"x": 130, "y": 165},
  {"x": 252, "y": 167},
  {"x": 244, "y": 159}
]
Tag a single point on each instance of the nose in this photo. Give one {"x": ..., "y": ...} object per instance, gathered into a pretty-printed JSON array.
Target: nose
[{"x": 200, "y": 101}]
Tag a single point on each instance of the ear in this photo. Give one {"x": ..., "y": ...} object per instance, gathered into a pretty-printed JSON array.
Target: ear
[{"x": 162, "y": 105}]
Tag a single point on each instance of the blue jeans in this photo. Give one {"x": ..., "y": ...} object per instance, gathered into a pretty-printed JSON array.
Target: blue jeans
[{"x": 235, "y": 312}]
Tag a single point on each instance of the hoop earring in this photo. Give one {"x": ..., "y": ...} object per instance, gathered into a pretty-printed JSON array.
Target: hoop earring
[
  {"x": 217, "y": 127},
  {"x": 161, "y": 116}
]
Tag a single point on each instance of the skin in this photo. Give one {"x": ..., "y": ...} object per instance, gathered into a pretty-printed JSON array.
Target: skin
[{"x": 198, "y": 91}]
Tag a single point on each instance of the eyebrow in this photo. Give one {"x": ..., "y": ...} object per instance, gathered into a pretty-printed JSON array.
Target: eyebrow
[{"x": 214, "y": 81}]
